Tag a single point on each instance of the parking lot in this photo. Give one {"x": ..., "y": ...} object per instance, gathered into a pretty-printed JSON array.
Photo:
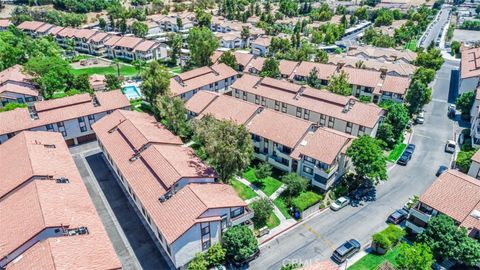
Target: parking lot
[{"x": 131, "y": 240}]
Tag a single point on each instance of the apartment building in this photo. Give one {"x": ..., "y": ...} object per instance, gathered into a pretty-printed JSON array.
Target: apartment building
[
  {"x": 260, "y": 45},
  {"x": 475, "y": 119},
  {"x": 17, "y": 86},
  {"x": 286, "y": 142},
  {"x": 287, "y": 67},
  {"x": 255, "y": 66},
  {"x": 454, "y": 194},
  {"x": 49, "y": 221},
  {"x": 4, "y": 24},
  {"x": 174, "y": 191},
  {"x": 382, "y": 54},
  {"x": 96, "y": 43},
  {"x": 394, "y": 69},
  {"x": 71, "y": 116},
  {"x": 345, "y": 114},
  {"x": 215, "y": 78},
  {"x": 469, "y": 70},
  {"x": 474, "y": 170},
  {"x": 231, "y": 40},
  {"x": 29, "y": 27},
  {"x": 243, "y": 59}
]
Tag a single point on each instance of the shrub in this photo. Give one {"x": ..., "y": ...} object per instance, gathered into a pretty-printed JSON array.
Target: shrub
[
  {"x": 295, "y": 184},
  {"x": 381, "y": 240},
  {"x": 305, "y": 200},
  {"x": 263, "y": 170},
  {"x": 215, "y": 255},
  {"x": 389, "y": 237},
  {"x": 198, "y": 263},
  {"x": 464, "y": 159},
  {"x": 262, "y": 209},
  {"x": 239, "y": 243}
]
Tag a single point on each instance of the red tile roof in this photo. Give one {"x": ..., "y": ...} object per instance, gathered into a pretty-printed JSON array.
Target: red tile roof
[
  {"x": 99, "y": 36},
  {"x": 200, "y": 77},
  {"x": 324, "y": 145},
  {"x": 35, "y": 205},
  {"x": 15, "y": 88},
  {"x": 456, "y": 195},
  {"x": 279, "y": 127},
  {"x": 5, "y": 22},
  {"x": 287, "y": 67},
  {"x": 67, "y": 32},
  {"x": 128, "y": 42},
  {"x": 44, "y": 28},
  {"x": 257, "y": 63},
  {"x": 57, "y": 110},
  {"x": 324, "y": 71},
  {"x": 229, "y": 108},
  {"x": 395, "y": 84},
  {"x": 200, "y": 101},
  {"x": 160, "y": 166},
  {"x": 470, "y": 64},
  {"x": 30, "y": 25},
  {"x": 319, "y": 101},
  {"x": 16, "y": 74},
  {"x": 84, "y": 33},
  {"x": 145, "y": 46}
]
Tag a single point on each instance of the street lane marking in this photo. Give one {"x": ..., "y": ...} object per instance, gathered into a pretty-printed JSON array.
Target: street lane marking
[{"x": 325, "y": 241}]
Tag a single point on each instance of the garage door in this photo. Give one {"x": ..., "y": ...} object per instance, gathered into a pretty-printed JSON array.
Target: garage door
[
  {"x": 86, "y": 138},
  {"x": 70, "y": 142}
]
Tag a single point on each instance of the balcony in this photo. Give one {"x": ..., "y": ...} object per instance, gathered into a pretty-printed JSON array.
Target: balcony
[
  {"x": 256, "y": 143},
  {"x": 247, "y": 215},
  {"x": 282, "y": 154},
  {"x": 324, "y": 173},
  {"x": 261, "y": 156},
  {"x": 420, "y": 215},
  {"x": 278, "y": 164},
  {"x": 413, "y": 227}
]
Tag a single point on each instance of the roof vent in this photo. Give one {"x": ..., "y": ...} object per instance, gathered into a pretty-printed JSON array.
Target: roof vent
[
  {"x": 165, "y": 197},
  {"x": 475, "y": 214},
  {"x": 304, "y": 143},
  {"x": 95, "y": 101},
  {"x": 78, "y": 231},
  {"x": 49, "y": 146},
  {"x": 62, "y": 180}
]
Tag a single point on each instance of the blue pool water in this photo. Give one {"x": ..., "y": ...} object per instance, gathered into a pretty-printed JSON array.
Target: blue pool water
[{"x": 131, "y": 92}]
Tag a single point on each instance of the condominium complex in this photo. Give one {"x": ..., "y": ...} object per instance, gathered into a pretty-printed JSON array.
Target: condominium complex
[
  {"x": 215, "y": 78},
  {"x": 454, "y": 194},
  {"x": 99, "y": 43},
  {"x": 469, "y": 70},
  {"x": 343, "y": 113},
  {"x": 71, "y": 116},
  {"x": 174, "y": 191},
  {"x": 17, "y": 86},
  {"x": 286, "y": 142},
  {"x": 48, "y": 219}
]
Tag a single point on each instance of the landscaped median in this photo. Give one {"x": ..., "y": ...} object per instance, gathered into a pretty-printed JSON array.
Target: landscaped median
[{"x": 396, "y": 152}]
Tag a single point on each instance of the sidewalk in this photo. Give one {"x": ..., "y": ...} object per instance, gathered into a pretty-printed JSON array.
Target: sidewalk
[{"x": 284, "y": 222}]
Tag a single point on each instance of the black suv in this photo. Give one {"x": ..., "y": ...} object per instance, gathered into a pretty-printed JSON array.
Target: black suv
[
  {"x": 405, "y": 158},
  {"x": 346, "y": 250}
]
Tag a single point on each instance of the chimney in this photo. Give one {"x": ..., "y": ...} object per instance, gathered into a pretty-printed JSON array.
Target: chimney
[{"x": 383, "y": 72}]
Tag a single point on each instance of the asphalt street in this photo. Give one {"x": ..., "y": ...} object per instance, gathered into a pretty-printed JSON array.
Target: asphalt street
[
  {"x": 316, "y": 238},
  {"x": 436, "y": 28}
]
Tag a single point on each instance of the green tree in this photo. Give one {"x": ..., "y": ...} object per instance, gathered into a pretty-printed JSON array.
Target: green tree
[
  {"x": 425, "y": 75},
  {"x": 418, "y": 95},
  {"x": 447, "y": 241},
  {"x": 263, "y": 209},
  {"x": 432, "y": 58},
  {"x": 455, "y": 47},
  {"x": 321, "y": 57},
  {"x": 202, "y": 43},
  {"x": 263, "y": 170},
  {"x": 312, "y": 78},
  {"x": 465, "y": 102},
  {"x": 245, "y": 34},
  {"x": 51, "y": 73},
  {"x": 295, "y": 184},
  {"x": 228, "y": 58},
  {"x": 270, "y": 68},
  {"x": 156, "y": 81},
  {"x": 416, "y": 257},
  {"x": 139, "y": 65},
  {"x": 176, "y": 45},
  {"x": 385, "y": 134},
  {"x": 81, "y": 83},
  {"x": 102, "y": 23},
  {"x": 338, "y": 84},
  {"x": 116, "y": 63},
  {"x": 139, "y": 29},
  {"x": 172, "y": 114},
  {"x": 204, "y": 19},
  {"x": 198, "y": 263},
  {"x": 398, "y": 117},
  {"x": 123, "y": 25},
  {"x": 239, "y": 243},
  {"x": 367, "y": 157},
  {"x": 12, "y": 106},
  {"x": 112, "y": 82},
  {"x": 464, "y": 160},
  {"x": 215, "y": 255},
  {"x": 228, "y": 146}
]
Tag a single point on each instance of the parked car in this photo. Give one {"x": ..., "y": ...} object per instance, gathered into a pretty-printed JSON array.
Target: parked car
[
  {"x": 405, "y": 158},
  {"x": 410, "y": 148},
  {"x": 452, "y": 110},
  {"x": 441, "y": 170},
  {"x": 398, "y": 216},
  {"x": 420, "y": 119},
  {"x": 450, "y": 146},
  {"x": 339, "y": 203},
  {"x": 346, "y": 250}
]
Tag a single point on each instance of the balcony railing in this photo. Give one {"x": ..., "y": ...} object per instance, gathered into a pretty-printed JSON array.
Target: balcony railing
[
  {"x": 278, "y": 164},
  {"x": 247, "y": 215},
  {"x": 420, "y": 215},
  {"x": 282, "y": 154},
  {"x": 413, "y": 227}
]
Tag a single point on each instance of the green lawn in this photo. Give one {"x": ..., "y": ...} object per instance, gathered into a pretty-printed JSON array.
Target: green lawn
[
  {"x": 372, "y": 261},
  {"x": 176, "y": 70},
  {"x": 305, "y": 200},
  {"x": 273, "y": 221},
  {"x": 396, "y": 152},
  {"x": 411, "y": 45},
  {"x": 282, "y": 206},
  {"x": 124, "y": 70},
  {"x": 268, "y": 185},
  {"x": 243, "y": 191}
]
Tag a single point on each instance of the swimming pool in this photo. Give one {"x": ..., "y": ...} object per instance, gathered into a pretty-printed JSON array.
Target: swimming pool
[{"x": 131, "y": 92}]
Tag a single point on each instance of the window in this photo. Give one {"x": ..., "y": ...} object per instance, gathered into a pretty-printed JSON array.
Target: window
[
  {"x": 237, "y": 212},
  {"x": 361, "y": 130},
  {"x": 30, "y": 99},
  {"x": 60, "y": 124},
  {"x": 309, "y": 159},
  {"x": 20, "y": 100},
  {"x": 244, "y": 95},
  {"x": 284, "y": 107},
  {"x": 264, "y": 101},
  {"x": 64, "y": 133},
  {"x": 257, "y": 99},
  {"x": 348, "y": 128},
  {"x": 277, "y": 105},
  {"x": 91, "y": 117},
  {"x": 81, "y": 120},
  {"x": 205, "y": 245},
  {"x": 299, "y": 112},
  {"x": 205, "y": 230},
  {"x": 83, "y": 129},
  {"x": 307, "y": 170},
  {"x": 49, "y": 127},
  {"x": 237, "y": 93},
  {"x": 306, "y": 114},
  {"x": 331, "y": 121}
]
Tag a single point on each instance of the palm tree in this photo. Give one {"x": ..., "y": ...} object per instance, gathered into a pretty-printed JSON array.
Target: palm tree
[{"x": 116, "y": 62}]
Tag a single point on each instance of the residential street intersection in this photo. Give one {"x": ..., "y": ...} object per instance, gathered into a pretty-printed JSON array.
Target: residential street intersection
[{"x": 315, "y": 239}]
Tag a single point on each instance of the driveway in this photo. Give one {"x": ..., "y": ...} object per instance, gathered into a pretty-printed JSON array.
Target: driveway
[
  {"x": 131, "y": 240},
  {"x": 316, "y": 238}
]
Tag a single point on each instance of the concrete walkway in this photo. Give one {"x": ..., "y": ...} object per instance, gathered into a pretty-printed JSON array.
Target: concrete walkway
[{"x": 284, "y": 222}]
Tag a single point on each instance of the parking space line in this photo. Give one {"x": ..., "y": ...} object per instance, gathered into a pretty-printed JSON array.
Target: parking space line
[{"x": 325, "y": 241}]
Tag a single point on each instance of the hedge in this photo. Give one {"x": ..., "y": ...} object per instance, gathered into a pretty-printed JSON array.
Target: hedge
[
  {"x": 389, "y": 237},
  {"x": 305, "y": 200}
]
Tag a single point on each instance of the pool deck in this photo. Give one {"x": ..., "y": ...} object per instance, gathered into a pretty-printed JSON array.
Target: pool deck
[{"x": 135, "y": 84}]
